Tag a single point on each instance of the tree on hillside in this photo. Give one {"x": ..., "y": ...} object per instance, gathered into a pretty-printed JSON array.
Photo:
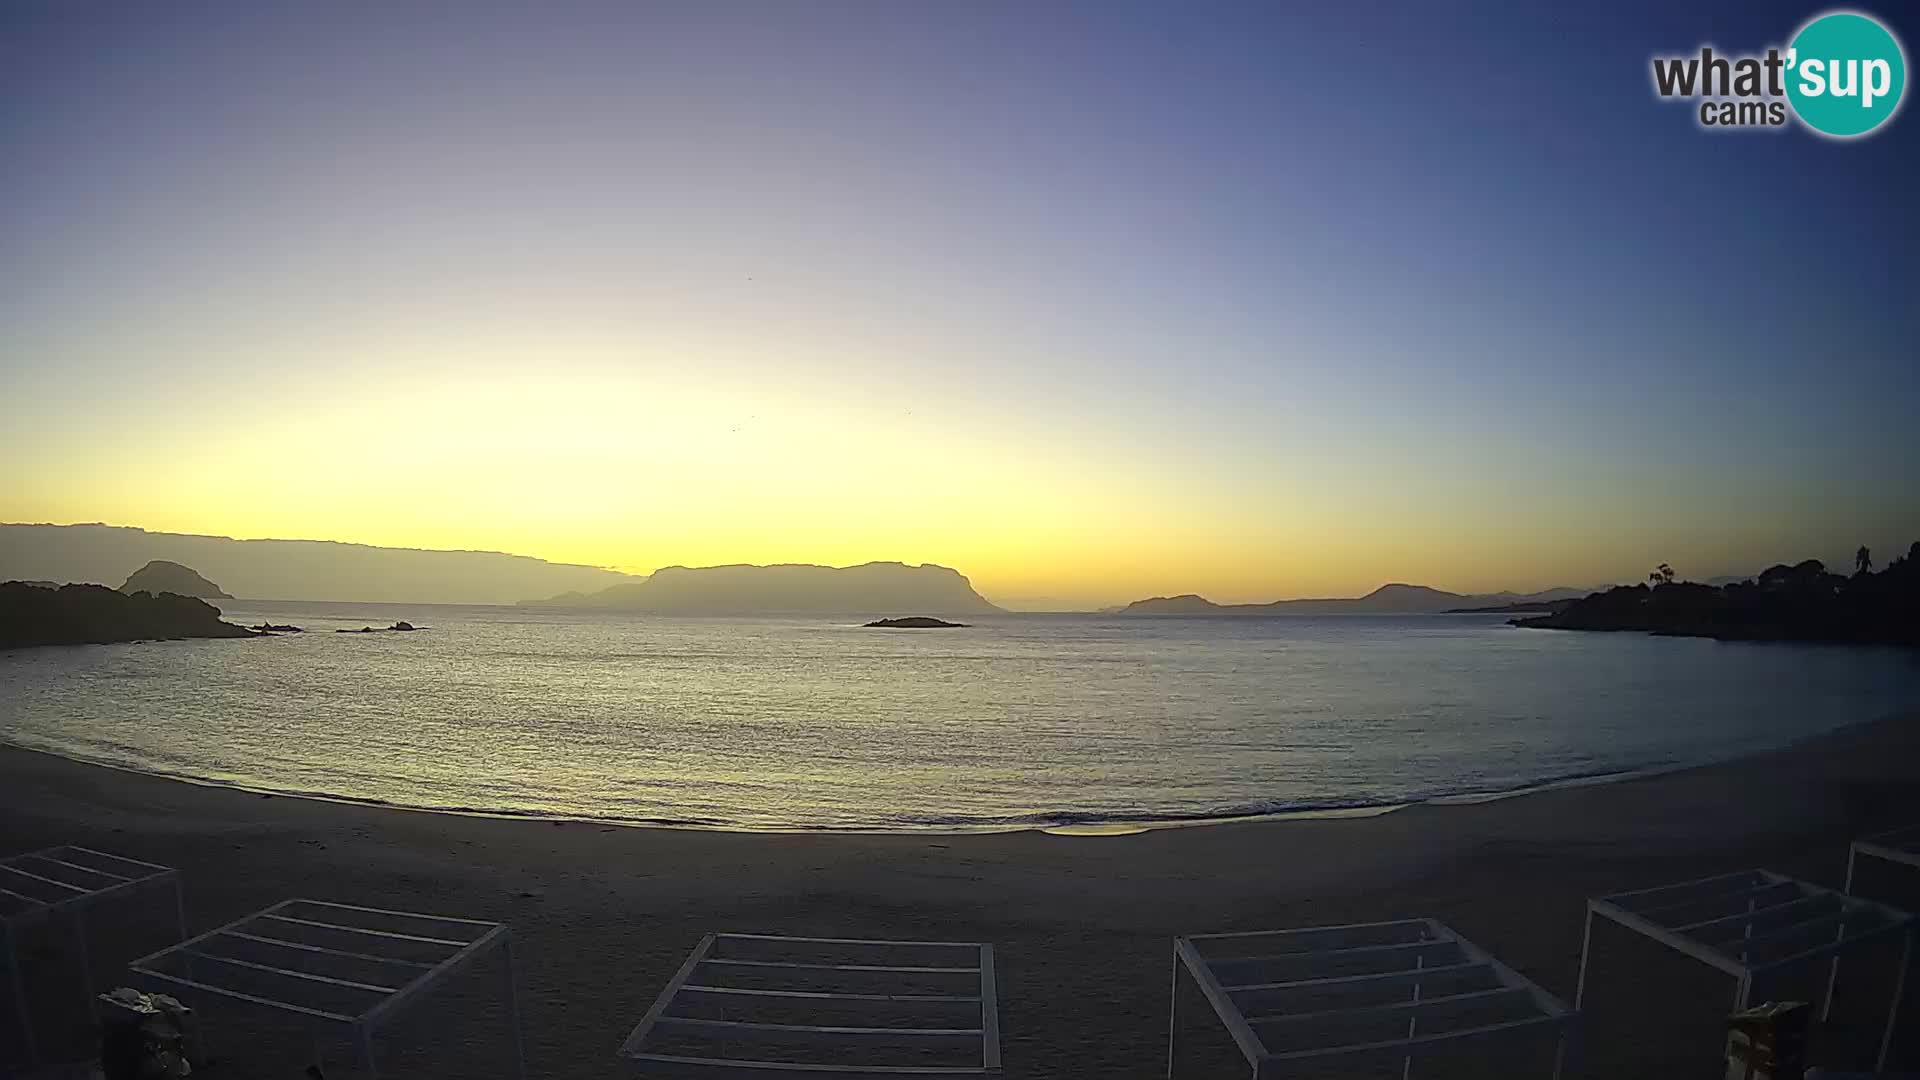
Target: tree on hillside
[
  {"x": 1662, "y": 575},
  {"x": 1863, "y": 561},
  {"x": 1909, "y": 561}
]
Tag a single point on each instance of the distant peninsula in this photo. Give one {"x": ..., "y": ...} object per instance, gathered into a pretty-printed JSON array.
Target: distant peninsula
[
  {"x": 1521, "y": 607},
  {"x": 789, "y": 589},
  {"x": 97, "y": 615},
  {"x": 917, "y": 622},
  {"x": 293, "y": 569},
  {"x": 1392, "y": 599},
  {"x": 1802, "y": 602},
  {"x": 161, "y": 576}
]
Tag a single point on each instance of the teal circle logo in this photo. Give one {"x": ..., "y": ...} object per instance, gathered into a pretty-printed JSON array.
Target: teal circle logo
[{"x": 1846, "y": 74}]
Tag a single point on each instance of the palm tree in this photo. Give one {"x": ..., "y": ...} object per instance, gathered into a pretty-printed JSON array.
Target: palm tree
[{"x": 1863, "y": 560}]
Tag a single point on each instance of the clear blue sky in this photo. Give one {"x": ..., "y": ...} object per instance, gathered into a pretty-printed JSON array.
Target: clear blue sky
[{"x": 1131, "y": 298}]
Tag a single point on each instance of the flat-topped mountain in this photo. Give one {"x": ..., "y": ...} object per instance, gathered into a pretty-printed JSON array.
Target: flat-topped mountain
[
  {"x": 1184, "y": 604},
  {"x": 161, "y": 576},
  {"x": 293, "y": 569},
  {"x": 790, "y": 588},
  {"x": 1391, "y": 599},
  {"x": 95, "y": 614}
]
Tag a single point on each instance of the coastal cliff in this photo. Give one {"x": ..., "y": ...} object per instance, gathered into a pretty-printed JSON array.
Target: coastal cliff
[{"x": 97, "y": 615}]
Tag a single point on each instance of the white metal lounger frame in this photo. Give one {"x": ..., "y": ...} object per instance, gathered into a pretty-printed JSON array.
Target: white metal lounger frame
[
  {"x": 1336, "y": 946},
  {"x": 1724, "y": 921},
  {"x": 972, "y": 963},
  {"x": 467, "y": 940},
  {"x": 68, "y": 878},
  {"x": 1898, "y": 846}
]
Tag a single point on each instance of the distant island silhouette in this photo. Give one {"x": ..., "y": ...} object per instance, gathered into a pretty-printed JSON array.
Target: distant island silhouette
[
  {"x": 294, "y": 569},
  {"x": 917, "y": 622},
  {"x": 97, "y": 615},
  {"x": 1802, "y": 602},
  {"x": 1516, "y": 608},
  {"x": 1392, "y": 599},
  {"x": 161, "y": 576},
  {"x": 789, "y": 588}
]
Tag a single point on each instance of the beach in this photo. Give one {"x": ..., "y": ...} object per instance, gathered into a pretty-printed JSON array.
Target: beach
[{"x": 602, "y": 916}]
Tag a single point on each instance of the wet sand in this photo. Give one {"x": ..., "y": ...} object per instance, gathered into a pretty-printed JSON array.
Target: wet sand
[{"x": 1082, "y": 925}]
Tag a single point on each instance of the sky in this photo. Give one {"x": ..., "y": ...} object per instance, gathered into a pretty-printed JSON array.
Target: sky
[{"x": 1091, "y": 301}]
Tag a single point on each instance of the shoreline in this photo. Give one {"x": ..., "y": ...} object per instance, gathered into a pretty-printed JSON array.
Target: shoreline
[
  {"x": 602, "y": 916},
  {"x": 1067, "y": 825}
]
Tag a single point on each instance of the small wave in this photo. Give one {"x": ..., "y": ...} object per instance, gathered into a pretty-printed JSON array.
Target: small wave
[{"x": 1062, "y": 822}]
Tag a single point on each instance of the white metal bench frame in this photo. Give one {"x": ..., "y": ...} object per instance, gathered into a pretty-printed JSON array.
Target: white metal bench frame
[
  {"x": 39, "y": 885},
  {"x": 467, "y": 940},
  {"x": 1328, "y": 943},
  {"x": 1764, "y": 895},
  {"x": 971, "y": 958}
]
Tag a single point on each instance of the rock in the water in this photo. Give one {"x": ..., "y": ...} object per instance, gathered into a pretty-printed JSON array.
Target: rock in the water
[{"x": 917, "y": 622}]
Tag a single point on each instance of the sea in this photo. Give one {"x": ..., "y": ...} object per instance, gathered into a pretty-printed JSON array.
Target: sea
[{"x": 1068, "y": 722}]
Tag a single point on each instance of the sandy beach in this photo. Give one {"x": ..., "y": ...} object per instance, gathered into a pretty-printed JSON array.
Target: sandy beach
[{"x": 1082, "y": 925}]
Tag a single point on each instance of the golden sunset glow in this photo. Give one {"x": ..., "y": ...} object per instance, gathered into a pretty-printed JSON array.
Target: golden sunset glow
[
  {"x": 801, "y": 301},
  {"x": 634, "y": 469}
]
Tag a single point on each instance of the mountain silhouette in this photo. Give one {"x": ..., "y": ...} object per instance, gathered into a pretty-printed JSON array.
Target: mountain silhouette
[
  {"x": 742, "y": 589},
  {"x": 1396, "y": 598},
  {"x": 161, "y": 576},
  {"x": 293, "y": 569}
]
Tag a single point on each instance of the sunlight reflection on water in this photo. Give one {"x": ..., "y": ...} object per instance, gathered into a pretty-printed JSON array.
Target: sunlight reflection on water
[{"x": 1020, "y": 721}]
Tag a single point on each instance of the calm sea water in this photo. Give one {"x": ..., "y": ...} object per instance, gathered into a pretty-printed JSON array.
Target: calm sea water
[{"x": 1019, "y": 720}]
